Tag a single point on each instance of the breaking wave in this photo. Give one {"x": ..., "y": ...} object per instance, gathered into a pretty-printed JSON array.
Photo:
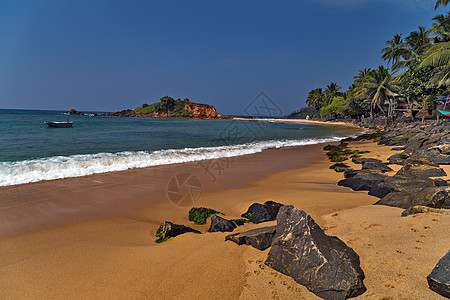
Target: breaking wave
[{"x": 58, "y": 167}]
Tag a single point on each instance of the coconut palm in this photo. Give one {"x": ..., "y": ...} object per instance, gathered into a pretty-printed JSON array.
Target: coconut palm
[
  {"x": 438, "y": 56},
  {"x": 315, "y": 99},
  {"x": 331, "y": 91},
  {"x": 396, "y": 50},
  {"x": 403, "y": 53},
  {"x": 379, "y": 86},
  {"x": 441, "y": 2},
  {"x": 359, "y": 78},
  {"x": 441, "y": 28}
]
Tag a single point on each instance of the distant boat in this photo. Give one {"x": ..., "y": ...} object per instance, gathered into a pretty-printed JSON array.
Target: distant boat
[
  {"x": 444, "y": 112},
  {"x": 58, "y": 124}
]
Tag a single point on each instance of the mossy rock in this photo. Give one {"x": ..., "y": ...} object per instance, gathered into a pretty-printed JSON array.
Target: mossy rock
[
  {"x": 168, "y": 230},
  {"x": 199, "y": 215},
  {"x": 340, "y": 167}
]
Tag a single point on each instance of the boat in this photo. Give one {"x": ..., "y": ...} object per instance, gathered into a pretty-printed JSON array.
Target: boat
[
  {"x": 58, "y": 124},
  {"x": 444, "y": 112}
]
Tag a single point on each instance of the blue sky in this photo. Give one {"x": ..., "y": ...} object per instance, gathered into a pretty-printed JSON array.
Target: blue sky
[{"x": 111, "y": 55}]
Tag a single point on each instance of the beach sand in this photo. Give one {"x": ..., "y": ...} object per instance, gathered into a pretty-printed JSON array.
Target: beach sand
[{"x": 93, "y": 237}]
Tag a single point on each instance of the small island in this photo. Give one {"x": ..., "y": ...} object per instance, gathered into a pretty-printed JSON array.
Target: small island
[{"x": 167, "y": 107}]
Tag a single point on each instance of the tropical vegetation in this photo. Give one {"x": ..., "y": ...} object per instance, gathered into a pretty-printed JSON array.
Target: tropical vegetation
[
  {"x": 417, "y": 71},
  {"x": 166, "y": 105}
]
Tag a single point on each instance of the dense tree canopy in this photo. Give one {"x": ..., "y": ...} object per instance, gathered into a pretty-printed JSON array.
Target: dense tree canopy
[{"x": 419, "y": 71}]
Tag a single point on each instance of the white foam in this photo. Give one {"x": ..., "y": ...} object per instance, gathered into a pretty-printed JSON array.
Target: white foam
[{"x": 57, "y": 167}]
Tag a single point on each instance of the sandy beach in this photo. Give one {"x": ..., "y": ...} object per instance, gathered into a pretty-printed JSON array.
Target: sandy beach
[{"x": 93, "y": 236}]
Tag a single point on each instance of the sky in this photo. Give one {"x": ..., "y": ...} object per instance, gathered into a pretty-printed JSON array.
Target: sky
[{"x": 94, "y": 55}]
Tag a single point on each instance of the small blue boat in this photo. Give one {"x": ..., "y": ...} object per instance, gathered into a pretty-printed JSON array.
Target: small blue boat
[{"x": 58, "y": 124}]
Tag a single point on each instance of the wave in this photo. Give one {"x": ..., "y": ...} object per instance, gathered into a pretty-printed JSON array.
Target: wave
[{"x": 58, "y": 167}]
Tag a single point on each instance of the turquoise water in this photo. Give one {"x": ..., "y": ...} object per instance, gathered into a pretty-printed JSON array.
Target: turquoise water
[{"x": 32, "y": 152}]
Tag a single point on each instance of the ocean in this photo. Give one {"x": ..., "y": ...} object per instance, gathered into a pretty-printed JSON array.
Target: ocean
[{"x": 31, "y": 152}]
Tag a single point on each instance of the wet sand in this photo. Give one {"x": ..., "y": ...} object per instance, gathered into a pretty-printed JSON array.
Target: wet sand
[{"x": 93, "y": 237}]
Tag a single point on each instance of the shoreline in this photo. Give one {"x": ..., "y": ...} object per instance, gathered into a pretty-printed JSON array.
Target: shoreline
[
  {"x": 112, "y": 253},
  {"x": 301, "y": 121}
]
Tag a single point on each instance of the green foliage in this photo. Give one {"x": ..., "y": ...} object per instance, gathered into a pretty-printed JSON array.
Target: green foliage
[
  {"x": 303, "y": 112},
  {"x": 199, "y": 215},
  {"x": 167, "y": 105},
  {"x": 338, "y": 107},
  {"x": 341, "y": 152}
]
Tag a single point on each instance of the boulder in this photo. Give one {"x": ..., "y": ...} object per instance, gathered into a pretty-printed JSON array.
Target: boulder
[
  {"x": 435, "y": 197},
  {"x": 419, "y": 209},
  {"x": 363, "y": 181},
  {"x": 420, "y": 171},
  {"x": 259, "y": 238},
  {"x": 373, "y": 164},
  {"x": 439, "y": 278},
  {"x": 396, "y": 159},
  {"x": 325, "y": 265},
  {"x": 168, "y": 230},
  {"x": 433, "y": 155},
  {"x": 199, "y": 215},
  {"x": 258, "y": 213},
  {"x": 340, "y": 167},
  {"x": 400, "y": 184},
  {"x": 221, "y": 224}
]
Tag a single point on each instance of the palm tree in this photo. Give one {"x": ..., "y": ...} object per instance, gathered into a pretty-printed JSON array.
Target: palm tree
[
  {"x": 395, "y": 51},
  {"x": 441, "y": 2},
  {"x": 379, "y": 86},
  {"x": 438, "y": 56},
  {"x": 315, "y": 99},
  {"x": 441, "y": 28},
  {"x": 331, "y": 91},
  {"x": 403, "y": 53},
  {"x": 359, "y": 78}
]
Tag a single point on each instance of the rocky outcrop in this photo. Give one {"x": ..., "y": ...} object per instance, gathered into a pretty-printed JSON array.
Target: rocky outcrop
[
  {"x": 439, "y": 278},
  {"x": 401, "y": 184},
  {"x": 373, "y": 164},
  {"x": 340, "y": 167},
  {"x": 420, "y": 141},
  {"x": 190, "y": 110},
  {"x": 199, "y": 215},
  {"x": 362, "y": 181},
  {"x": 424, "y": 209},
  {"x": 168, "y": 230},
  {"x": 258, "y": 213},
  {"x": 435, "y": 197},
  {"x": 325, "y": 265},
  {"x": 219, "y": 224},
  {"x": 420, "y": 171},
  {"x": 75, "y": 112},
  {"x": 259, "y": 238}
]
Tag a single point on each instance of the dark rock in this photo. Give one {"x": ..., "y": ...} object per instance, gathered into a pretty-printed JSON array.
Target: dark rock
[
  {"x": 420, "y": 171},
  {"x": 168, "y": 230},
  {"x": 419, "y": 209},
  {"x": 325, "y": 265},
  {"x": 439, "y": 278},
  {"x": 350, "y": 173},
  {"x": 221, "y": 224},
  {"x": 259, "y": 238},
  {"x": 396, "y": 159},
  {"x": 398, "y": 149},
  {"x": 362, "y": 181},
  {"x": 373, "y": 164},
  {"x": 400, "y": 184},
  {"x": 239, "y": 222},
  {"x": 340, "y": 167},
  {"x": 199, "y": 215},
  {"x": 433, "y": 155},
  {"x": 436, "y": 197},
  {"x": 258, "y": 213}
]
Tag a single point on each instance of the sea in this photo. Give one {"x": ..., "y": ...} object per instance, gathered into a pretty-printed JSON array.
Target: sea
[{"x": 31, "y": 152}]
